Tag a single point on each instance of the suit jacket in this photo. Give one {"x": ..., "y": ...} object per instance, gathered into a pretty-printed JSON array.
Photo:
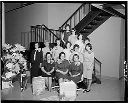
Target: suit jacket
[{"x": 39, "y": 57}]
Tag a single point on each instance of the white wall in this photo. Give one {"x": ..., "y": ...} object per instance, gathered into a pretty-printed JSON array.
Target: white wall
[
  {"x": 52, "y": 15},
  {"x": 106, "y": 45},
  {"x": 21, "y": 20},
  {"x": 58, "y": 13}
]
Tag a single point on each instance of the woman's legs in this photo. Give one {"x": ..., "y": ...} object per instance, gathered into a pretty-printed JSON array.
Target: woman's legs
[
  {"x": 50, "y": 83},
  {"x": 89, "y": 84}
]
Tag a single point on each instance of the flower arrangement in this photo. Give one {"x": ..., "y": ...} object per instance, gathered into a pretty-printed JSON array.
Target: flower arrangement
[{"x": 13, "y": 60}]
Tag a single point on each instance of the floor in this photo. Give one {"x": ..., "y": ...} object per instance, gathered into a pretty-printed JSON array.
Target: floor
[{"x": 110, "y": 89}]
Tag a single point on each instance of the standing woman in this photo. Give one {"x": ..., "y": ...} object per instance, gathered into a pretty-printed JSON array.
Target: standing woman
[
  {"x": 66, "y": 34},
  {"x": 56, "y": 50},
  {"x": 46, "y": 49},
  {"x": 88, "y": 64},
  {"x": 80, "y": 43},
  {"x": 48, "y": 70},
  {"x": 35, "y": 61},
  {"x": 67, "y": 50},
  {"x": 61, "y": 68},
  {"x": 73, "y": 38}
]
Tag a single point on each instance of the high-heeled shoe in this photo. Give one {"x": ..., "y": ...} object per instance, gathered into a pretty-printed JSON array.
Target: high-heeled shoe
[{"x": 86, "y": 90}]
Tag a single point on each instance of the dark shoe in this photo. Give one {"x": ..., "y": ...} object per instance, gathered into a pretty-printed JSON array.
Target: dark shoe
[{"x": 86, "y": 90}]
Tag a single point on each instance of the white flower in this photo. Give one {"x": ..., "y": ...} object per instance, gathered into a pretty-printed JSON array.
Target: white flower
[
  {"x": 8, "y": 56},
  {"x": 9, "y": 74},
  {"x": 19, "y": 47},
  {"x": 9, "y": 65},
  {"x": 6, "y": 46}
]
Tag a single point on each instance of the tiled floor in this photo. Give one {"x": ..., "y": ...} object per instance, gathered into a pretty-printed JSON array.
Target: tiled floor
[{"x": 111, "y": 89}]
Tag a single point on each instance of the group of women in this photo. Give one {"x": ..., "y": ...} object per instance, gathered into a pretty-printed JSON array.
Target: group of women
[{"x": 75, "y": 62}]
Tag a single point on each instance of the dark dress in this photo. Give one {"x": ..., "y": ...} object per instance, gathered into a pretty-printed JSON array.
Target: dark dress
[
  {"x": 35, "y": 70},
  {"x": 74, "y": 70},
  {"x": 64, "y": 66},
  {"x": 47, "y": 67}
]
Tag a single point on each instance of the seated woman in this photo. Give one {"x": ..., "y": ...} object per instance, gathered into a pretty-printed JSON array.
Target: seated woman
[
  {"x": 61, "y": 68},
  {"x": 76, "y": 69},
  {"x": 48, "y": 69}
]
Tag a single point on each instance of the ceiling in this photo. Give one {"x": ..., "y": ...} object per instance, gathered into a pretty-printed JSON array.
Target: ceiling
[{"x": 11, "y": 6}]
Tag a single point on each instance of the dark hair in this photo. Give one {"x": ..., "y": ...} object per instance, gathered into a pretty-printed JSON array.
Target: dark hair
[
  {"x": 68, "y": 26},
  {"x": 61, "y": 54},
  {"x": 58, "y": 39},
  {"x": 47, "y": 54},
  {"x": 87, "y": 39},
  {"x": 76, "y": 45},
  {"x": 75, "y": 55},
  {"x": 88, "y": 44}
]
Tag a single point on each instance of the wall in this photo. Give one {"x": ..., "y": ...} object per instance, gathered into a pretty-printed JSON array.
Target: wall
[
  {"x": 58, "y": 13},
  {"x": 106, "y": 45},
  {"x": 52, "y": 15},
  {"x": 21, "y": 20}
]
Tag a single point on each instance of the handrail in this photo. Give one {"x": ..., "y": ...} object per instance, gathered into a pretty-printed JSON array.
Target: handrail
[
  {"x": 97, "y": 60},
  {"x": 50, "y": 31},
  {"x": 72, "y": 15}
]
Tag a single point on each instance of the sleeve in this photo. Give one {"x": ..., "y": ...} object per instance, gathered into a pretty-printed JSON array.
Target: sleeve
[
  {"x": 81, "y": 68},
  {"x": 55, "y": 64},
  {"x": 41, "y": 56},
  {"x": 31, "y": 57},
  {"x": 43, "y": 64}
]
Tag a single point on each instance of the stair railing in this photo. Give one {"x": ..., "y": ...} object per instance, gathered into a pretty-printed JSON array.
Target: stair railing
[
  {"x": 38, "y": 33},
  {"x": 99, "y": 63},
  {"x": 77, "y": 16}
]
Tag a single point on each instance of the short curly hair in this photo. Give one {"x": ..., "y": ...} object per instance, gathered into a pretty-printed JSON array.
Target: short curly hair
[
  {"x": 61, "y": 54},
  {"x": 90, "y": 46}
]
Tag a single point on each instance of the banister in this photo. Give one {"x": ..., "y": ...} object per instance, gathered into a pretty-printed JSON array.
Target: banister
[
  {"x": 97, "y": 60},
  {"x": 72, "y": 15},
  {"x": 49, "y": 30}
]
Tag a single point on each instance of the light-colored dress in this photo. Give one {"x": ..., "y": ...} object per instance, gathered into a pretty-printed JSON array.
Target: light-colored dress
[
  {"x": 81, "y": 45},
  {"x": 67, "y": 53},
  {"x": 72, "y": 39},
  {"x": 56, "y": 51},
  {"x": 45, "y": 50},
  {"x": 88, "y": 64}
]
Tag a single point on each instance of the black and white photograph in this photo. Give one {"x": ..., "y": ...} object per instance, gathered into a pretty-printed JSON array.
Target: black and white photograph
[{"x": 64, "y": 51}]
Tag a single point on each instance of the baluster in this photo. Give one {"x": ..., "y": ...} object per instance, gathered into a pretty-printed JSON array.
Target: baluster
[
  {"x": 28, "y": 37},
  {"x": 79, "y": 15},
  {"x": 21, "y": 38},
  {"x": 74, "y": 20},
  {"x": 43, "y": 34}
]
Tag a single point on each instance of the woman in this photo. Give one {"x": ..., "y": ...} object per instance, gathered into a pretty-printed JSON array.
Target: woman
[
  {"x": 76, "y": 51},
  {"x": 67, "y": 51},
  {"x": 88, "y": 64},
  {"x": 76, "y": 69},
  {"x": 72, "y": 38},
  {"x": 61, "y": 68},
  {"x": 48, "y": 69},
  {"x": 66, "y": 34},
  {"x": 35, "y": 61},
  {"x": 46, "y": 49},
  {"x": 80, "y": 43},
  {"x": 56, "y": 50}
]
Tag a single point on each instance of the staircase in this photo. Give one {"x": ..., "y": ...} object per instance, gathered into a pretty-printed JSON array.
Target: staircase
[{"x": 85, "y": 20}]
